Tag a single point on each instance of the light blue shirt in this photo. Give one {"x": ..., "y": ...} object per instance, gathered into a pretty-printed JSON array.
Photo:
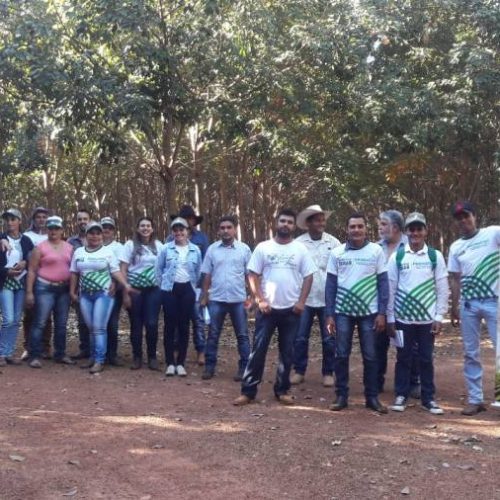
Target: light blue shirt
[
  {"x": 168, "y": 261},
  {"x": 227, "y": 266}
]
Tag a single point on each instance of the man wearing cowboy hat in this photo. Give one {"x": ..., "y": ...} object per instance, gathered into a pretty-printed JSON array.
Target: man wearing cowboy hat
[
  {"x": 200, "y": 239},
  {"x": 319, "y": 245}
]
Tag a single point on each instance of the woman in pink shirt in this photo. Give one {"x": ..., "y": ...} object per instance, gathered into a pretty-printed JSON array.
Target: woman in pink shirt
[{"x": 47, "y": 288}]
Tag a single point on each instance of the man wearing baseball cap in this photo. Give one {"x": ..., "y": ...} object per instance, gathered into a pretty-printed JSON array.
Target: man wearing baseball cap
[
  {"x": 319, "y": 245},
  {"x": 474, "y": 265},
  {"x": 418, "y": 301}
]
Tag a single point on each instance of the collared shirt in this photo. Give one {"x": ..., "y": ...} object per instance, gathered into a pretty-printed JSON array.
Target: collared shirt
[
  {"x": 200, "y": 239},
  {"x": 385, "y": 246},
  {"x": 227, "y": 266},
  {"x": 418, "y": 293},
  {"x": 320, "y": 251},
  {"x": 168, "y": 261},
  {"x": 76, "y": 241}
]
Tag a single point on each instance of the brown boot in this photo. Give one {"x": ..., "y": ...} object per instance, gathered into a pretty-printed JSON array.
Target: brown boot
[
  {"x": 473, "y": 409},
  {"x": 286, "y": 399},
  {"x": 242, "y": 400},
  {"x": 97, "y": 368}
]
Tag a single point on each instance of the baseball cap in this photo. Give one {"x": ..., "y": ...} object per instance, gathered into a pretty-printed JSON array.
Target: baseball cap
[
  {"x": 54, "y": 221},
  {"x": 14, "y": 212},
  {"x": 39, "y": 210},
  {"x": 179, "y": 221},
  {"x": 108, "y": 221},
  {"x": 415, "y": 217},
  {"x": 93, "y": 225},
  {"x": 461, "y": 207}
]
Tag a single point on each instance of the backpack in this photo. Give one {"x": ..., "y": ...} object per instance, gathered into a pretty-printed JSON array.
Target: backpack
[{"x": 431, "y": 252}]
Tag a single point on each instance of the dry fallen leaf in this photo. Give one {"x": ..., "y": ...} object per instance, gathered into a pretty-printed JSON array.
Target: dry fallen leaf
[
  {"x": 17, "y": 458},
  {"x": 71, "y": 493},
  {"x": 405, "y": 491}
]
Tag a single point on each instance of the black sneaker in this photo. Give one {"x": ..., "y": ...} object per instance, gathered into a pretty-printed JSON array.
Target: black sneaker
[
  {"x": 207, "y": 374},
  {"x": 433, "y": 407},
  {"x": 399, "y": 404}
]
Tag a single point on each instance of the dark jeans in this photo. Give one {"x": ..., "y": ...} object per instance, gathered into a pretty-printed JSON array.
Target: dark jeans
[
  {"x": 177, "y": 309},
  {"x": 302, "y": 341},
  {"x": 113, "y": 325},
  {"x": 382, "y": 347},
  {"x": 199, "y": 339},
  {"x": 421, "y": 336},
  {"x": 49, "y": 298},
  {"x": 143, "y": 314},
  {"x": 287, "y": 323},
  {"x": 345, "y": 331},
  {"x": 83, "y": 333},
  {"x": 238, "y": 315},
  {"x": 29, "y": 316}
]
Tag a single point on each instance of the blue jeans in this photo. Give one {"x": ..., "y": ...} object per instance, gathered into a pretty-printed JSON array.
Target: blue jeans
[
  {"x": 238, "y": 315},
  {"x": 287, "y": 323},
  {"x": 177, "y": 309},
  {"x": 50, "y": 298},
  {"x": 11, "y": 304},
  {"x": 471, "y": 314},
  {"x": 345, "y": 330},
  {"x": 302, "y": 341},
  {"x": 96, "y": 309},
  {"x": 421, "y": 336},
  {"x": 83, "y": 333},
  {"x": 113, "y": 324},
  {"x": 144, "y": 316}
]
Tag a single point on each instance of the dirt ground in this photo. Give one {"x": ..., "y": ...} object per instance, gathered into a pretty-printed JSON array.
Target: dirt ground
[{"x": 136, "y": 435}]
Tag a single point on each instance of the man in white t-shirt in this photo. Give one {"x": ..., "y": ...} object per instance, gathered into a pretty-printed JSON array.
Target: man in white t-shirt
[
  {"x": 357, "y": 291},
  {"x": 418, "y": 301},
  {"x": 280, "y": 276},
  {"x": 473, "y": 266},
  {"x": 319, "y": 244}
]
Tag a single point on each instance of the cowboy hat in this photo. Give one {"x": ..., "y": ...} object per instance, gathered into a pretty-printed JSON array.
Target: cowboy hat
[
  {"x": 187, "y": 211},
  {"x": 309, "y": 212}
]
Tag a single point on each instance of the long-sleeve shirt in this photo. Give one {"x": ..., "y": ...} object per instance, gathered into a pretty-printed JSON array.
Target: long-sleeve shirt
[{"x": 418, "y": 292}]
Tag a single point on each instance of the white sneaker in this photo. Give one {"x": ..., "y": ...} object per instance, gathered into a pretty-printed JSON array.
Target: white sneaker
[
  {"x": 399, "y": 404},
  {"x": 170, "y": 371},
  {"x": 25, "y": 356},
  {"x": 181, "y": 371},
  {"x": 433, "y": 407}
]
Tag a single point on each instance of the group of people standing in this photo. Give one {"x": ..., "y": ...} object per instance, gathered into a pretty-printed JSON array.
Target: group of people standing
[{"x": 395, "y": 288}]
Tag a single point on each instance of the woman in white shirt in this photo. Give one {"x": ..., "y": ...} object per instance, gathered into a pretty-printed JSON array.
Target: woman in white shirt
[
  {"x": 178, "y": 272},
  {"x": 138, "y": 262},
  {"x": 93, "y": 267}
]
